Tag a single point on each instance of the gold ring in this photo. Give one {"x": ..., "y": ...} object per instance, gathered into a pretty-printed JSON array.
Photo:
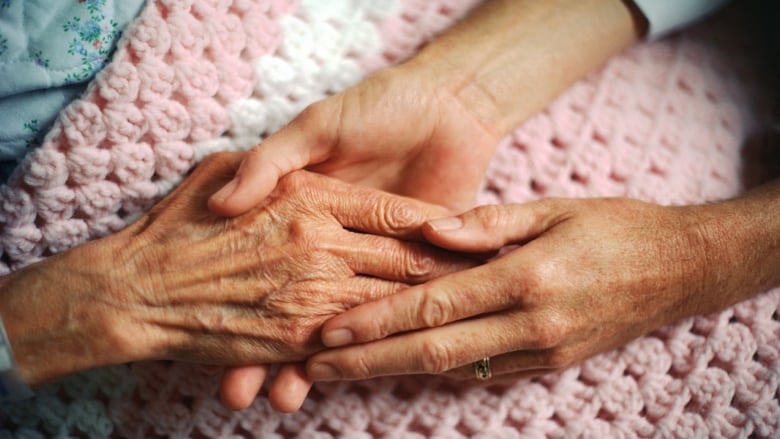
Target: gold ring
[{"x": 482, "y": 369}]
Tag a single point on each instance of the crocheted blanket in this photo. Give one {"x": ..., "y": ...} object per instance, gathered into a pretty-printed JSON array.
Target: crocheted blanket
[{"x": 663, "y": 122}]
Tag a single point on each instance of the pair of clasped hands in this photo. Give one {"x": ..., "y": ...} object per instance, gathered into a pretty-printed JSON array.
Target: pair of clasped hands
[
  {"x": 344, "y": 239},
  {"x": 536, "y": 309}
]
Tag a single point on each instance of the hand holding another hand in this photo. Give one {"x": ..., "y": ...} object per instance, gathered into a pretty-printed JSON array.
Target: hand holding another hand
[
  {"x": 588, "y": 276},
  {"x": 400, "y": 130},
  {"x": 428, "y": 128}
]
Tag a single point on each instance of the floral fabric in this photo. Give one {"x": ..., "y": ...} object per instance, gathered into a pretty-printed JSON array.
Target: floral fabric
[{"x": 48, "y": 52}]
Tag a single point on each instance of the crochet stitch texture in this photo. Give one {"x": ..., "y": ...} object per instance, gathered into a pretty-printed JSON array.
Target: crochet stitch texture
[{"x": 663, "y": 122}]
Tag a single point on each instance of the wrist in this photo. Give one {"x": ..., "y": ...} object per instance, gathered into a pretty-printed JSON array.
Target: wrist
[
  {"x": 55, "y": 321},
  {"x": 509, "y": 58},
  {"x": 738, "y": 244}
]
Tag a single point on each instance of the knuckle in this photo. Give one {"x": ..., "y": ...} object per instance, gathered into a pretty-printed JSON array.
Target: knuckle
[
  {"x": 435, "y": 310},
  {"x": 548, "y": 336},
  {"x": 399, "y": 216},
  {"x": 490, "y": 217},
  {"x": 436, "y": 357},
  {"x": 375, "y": 328},
  {"x": 418, "y": 265},
  {"x": 303, "y": 236},
  {"x": 359, "y": 367},
  {"x": 551, "y": 331},
  {"x": 539, "y": 280}
]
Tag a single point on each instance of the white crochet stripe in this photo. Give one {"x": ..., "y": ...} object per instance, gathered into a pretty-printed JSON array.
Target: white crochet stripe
[{"x": 319, "y": 55}]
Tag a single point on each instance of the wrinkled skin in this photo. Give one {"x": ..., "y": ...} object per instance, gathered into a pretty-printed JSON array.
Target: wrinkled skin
[
  {"x": 439, "y": 156},
  {"x": 184, "y": 284},
  {"x": 428, "y": 128}
]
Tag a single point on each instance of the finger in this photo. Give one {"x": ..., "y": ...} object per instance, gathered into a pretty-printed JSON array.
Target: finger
[
  {"x": 432, "y": 351},
  {"x": 230, "y": 332},
  {"x": 208, "y": 369},
  {"x": 227, "y": 334},
  {"x": 514, "y": 365},
  {"x": 289, "y": 389},
  {"x": 373, "y": 211},
  {"x": 402, "y": 261},
  {"x": 444, "y": 300},
  {"x": 491, "y": 227},
  {"x": 239, "y": 289},
  {"x": 362, "y": 289},
  {"x": 334, "y": 296},
  {"x": 240, "y": 385},
  {"x": 304, "y": 141}
]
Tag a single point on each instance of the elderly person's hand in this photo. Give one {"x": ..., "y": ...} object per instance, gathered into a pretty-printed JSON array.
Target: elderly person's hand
[
  {"x": 587, "y": 276},
  {"x": 354, "y": 136},
  {"x": 453, "y": 102},
  {"x": 184, "y": 284}
]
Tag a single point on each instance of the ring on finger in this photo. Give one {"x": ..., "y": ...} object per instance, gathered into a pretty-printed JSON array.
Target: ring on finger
[{"x": 482, "y": 369}]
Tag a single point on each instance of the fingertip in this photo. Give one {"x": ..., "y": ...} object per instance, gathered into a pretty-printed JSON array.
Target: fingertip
[
  {"x": 451, "y": 233},
  {"x": 481, "y": 229},
  {"x": 243, "y": 195},
  {"x": 318, "y": 370},
  {"x": 289, "y": 389},
  {"x": 219, "y": 202},
  {"x": 240, "y": 385},
  {"x": 445, "y": 225},
  {"x": 253, "y": 181}
]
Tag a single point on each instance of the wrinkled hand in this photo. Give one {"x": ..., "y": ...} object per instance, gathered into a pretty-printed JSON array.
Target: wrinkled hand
[
  {"x": 182, "y": 283},
  {"x": 399, "y": 131},
  {"x": 588, "y": 276}
]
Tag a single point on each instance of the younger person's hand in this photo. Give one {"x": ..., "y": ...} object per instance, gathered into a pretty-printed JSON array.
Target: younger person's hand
[
  {"x": 588, "y": 276},
  {"x": 400, "y": 131}
]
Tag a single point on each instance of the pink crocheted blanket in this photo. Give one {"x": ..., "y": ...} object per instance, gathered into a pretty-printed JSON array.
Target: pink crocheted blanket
[{"x": 663, "y": 122}]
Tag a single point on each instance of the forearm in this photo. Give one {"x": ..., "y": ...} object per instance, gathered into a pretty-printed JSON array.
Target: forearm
[{"x": 510, "y": 58}]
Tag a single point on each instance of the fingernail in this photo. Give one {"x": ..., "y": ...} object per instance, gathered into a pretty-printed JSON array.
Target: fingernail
[
  {"x": 446, "y": 224},
  {"x": 323, "y": 372},
  {"x": 337, "y": 337},
  {"x": 226, "y": 191}
]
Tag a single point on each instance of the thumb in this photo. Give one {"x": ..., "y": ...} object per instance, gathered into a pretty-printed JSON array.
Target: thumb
[
  {"x": 287, "y": 150},
  {"x": 488, "y": 228}
]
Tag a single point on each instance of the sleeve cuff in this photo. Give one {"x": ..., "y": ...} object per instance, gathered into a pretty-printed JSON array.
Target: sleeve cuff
[{"x": 665, "y": 16}]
